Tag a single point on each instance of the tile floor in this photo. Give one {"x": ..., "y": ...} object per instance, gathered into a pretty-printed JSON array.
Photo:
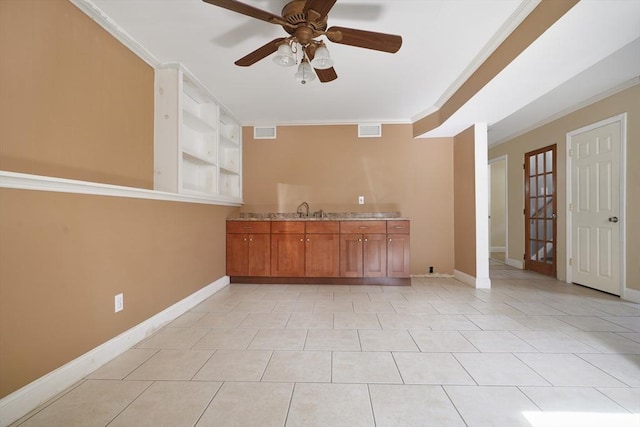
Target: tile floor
[{"x": 529, "y": 352}]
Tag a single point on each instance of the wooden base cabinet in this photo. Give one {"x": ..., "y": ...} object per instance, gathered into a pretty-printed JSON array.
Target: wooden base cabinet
[
  {"x": 248, "y": 248},
  {"x": 287, "y": 248},
  {"x": 322, "y": 249},
  {"x": 363, "y": 255},
  {"x": 340, "y": 252}
]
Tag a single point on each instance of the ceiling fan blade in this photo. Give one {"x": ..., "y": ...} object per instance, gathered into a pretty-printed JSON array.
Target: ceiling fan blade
[
  {"x": 248, "y": 10},
  {"x": 365, "y": 39},
  {"x": 321, "y": 7},
  {"x": 259, "y": 53},
  {"x": 327, "y": 75}
]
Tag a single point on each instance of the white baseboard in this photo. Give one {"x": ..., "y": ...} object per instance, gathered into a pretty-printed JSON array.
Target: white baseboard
[
  {"x": 22, "y": 401},
  {"x": 473, "y": 281},
  {"x": 514, "y": 263},
  {"x": 498, "y": 249},
  {"x": 631, "y": 295}
]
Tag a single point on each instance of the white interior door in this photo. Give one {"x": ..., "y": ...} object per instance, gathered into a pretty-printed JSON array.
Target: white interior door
[{"x": 595, "y": 208}]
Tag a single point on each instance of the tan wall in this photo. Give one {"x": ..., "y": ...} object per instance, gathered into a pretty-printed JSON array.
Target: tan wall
[
  {"x": 329, "y": 167},
  {"x": 76, "y": 104},
  {"x": 555, "y": 133},
  {"x": 65, "y": 83},
  {"x": 65, "y": 257},
  {"x": 497, "y": 228},
  {"x": 464, "y": 202}
]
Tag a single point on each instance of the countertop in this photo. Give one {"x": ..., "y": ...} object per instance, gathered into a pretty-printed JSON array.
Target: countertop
[{"x": 327, "y": 216}]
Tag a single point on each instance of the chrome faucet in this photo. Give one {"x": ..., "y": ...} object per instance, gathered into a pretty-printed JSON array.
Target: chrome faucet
[{"x": 304, "y": 205}]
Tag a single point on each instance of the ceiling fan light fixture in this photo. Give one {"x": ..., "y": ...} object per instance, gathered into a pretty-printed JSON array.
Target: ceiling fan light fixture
[
  {"x": 305, "y": 72},
  {"x": 284, "y": 56},
  {"x": 321, "y": 59}
]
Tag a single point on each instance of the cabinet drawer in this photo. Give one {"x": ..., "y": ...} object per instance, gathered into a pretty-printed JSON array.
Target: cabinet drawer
[
  {"x": 401, "y": 227},
  {"x": 350, "y": 227},
  {"x": 323, "y": 227},
  {"x": 248, "y": 227},
  {"x": 287, "y": 227}
]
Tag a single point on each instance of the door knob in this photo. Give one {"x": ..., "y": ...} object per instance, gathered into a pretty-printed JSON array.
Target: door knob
[{"x": 613, "y": 219}]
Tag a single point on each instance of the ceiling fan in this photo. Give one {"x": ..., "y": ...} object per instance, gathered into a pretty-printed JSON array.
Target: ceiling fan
[{"x": 305, "y": 21}]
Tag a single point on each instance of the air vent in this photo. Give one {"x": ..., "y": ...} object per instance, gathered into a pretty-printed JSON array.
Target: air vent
[
  {"x": 264, "y": 132},
  {"x": 369, "y": 131}
]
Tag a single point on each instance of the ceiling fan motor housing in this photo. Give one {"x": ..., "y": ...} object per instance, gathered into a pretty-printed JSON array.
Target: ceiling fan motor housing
[{"x": 293, "y": 13}]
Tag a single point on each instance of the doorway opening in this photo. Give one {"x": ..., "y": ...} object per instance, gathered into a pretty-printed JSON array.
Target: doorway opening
[{"x": 498, "y": 209}]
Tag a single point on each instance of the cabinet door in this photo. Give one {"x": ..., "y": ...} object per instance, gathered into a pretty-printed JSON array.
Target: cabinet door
[
  {"x": 287, "y": 255},
  {"x": 351, "y": 255},
  {"x": 322, "y": 255},
  {"x": 375, "y": 255},
  {"x": 398, "y": 255},
  {"x": 259, "y": 255},
  {"x": 237, "y": 254}
]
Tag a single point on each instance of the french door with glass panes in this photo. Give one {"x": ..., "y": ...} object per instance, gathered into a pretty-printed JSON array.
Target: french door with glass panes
[{"x": 540, "y": 210}]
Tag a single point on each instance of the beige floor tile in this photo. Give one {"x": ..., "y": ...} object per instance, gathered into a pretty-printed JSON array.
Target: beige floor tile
[
  {"x": 499, "y": 369},
  {"x": 496, "y": 322},
  {"x": 187, "y": 320},
  {"x": 431, "y": 368},
  {"x": 351, "y": 297},
  {"x": 627, "y": 397},
  {"x": 279, "y": 339},
  {"x": 593, "y": 324},
  {"x": 171, "y": 365},
  {"x": 571, "y": 399},
  {"x": 299, "y": 366},
  {"x": 168, "y": 338},
  {"x": 625, "y": 368},
  {"x": 332, "y": 340},
  {"x": 441, "y": 341},
  {"x": 215, "y": 306},
  {"x": 336, "y": 405},
  {"x": 497, "y": 342},
  {"x": 373, "y": 307},
  {"x": 607, "y": 342},
  {"x": 122, "y": 365},
  {"x": 387, "y": 340},
  {"x": 333, "y": 307},
  {"x": 220, "y": 320},
  {"x": 568, "y": 370},
  {"x": 413, "y": 307},
  {"x": 355, "y": 321},
  {"x": 234, "y": 365},
  {"x": 364, "y": 367},
  {"x": 168, "y": 403},
  {"x": 227, "y": 339},
  {"x": 404, "y": 320},
  {"x": 448, "y": 307},
  {"x": 491, "y": 406},
  {"x": 248, "y": 404},
  {"x": 553, "y": 342},
  {"x": 449, "y": 322},
  {"x": 412, "y": 406},
  {"x": 294, "y": 307},
  {"x": 391, "y": 297},
  {"x": 255, "y": 306},
  {"x": 92, "y": 403},
  {"x": 265, "y": 320},
  {"x": 310, "y": 321}
]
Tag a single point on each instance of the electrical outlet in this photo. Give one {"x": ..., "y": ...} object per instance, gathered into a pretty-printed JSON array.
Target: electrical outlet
[
  {"x": 430, "y": 270},
  {"x": 119, "y": 302},
  {"x": 361, "y": 200}
]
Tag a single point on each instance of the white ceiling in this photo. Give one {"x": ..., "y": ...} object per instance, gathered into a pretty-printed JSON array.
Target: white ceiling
[{"x": 592, "y": 50}]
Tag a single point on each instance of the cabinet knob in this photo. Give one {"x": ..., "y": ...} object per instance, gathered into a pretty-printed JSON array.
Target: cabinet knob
[
  {"x": 251, "y": 240},
  {"x": 359, "y": 240},
  {"x": 366, "y": 240},
  {"x": 389, "y": 239},
  {"x": 302, "y": 240},
  {"x": 308, "y": 240},
  {"x": 245, "y": 239}
]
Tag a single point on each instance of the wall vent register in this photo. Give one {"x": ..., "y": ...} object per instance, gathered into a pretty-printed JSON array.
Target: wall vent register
[{"x": 369, "y": 131}]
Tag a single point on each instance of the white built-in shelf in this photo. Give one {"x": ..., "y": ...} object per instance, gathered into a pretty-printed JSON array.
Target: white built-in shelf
[{"x": 198, "y": 146}]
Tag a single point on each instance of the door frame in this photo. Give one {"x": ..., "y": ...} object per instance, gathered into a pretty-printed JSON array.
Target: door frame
[
  {"x": 504, "y": 157},
  {"x": 622, "y": 119}
]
